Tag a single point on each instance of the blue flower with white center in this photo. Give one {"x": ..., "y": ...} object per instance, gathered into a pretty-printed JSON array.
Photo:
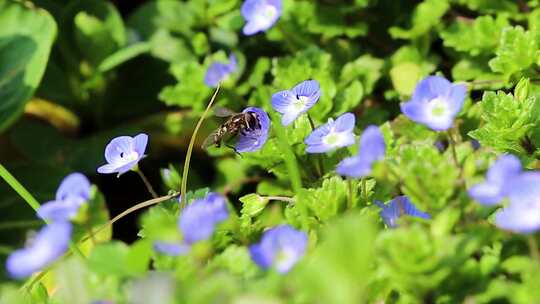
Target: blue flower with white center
[
  {"x": 50, "y": 243},
  {"x": 280, "y": 248},
  {"x": 260, "y": 15},
  {"x": 218, "y": 71},
  {"x": 199, "y": 219},
  {"x": 123, "y": 153},
  {"x": 397, "y": 207},
  {"x": 72, "y": 193},
  {"x": 292, "y": 103},
  {"x": 332, "y": 135},
  {"x": 253, "y": 139},
  {"x": 523, "y": 213},
  {"x": 372, "y": 149},
  {"x": 494, "y": 189},
  {"x": 435, "y": 103}
]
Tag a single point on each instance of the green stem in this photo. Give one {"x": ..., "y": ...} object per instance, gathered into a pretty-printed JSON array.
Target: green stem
[
  {"x": 350, "y": 198},
  {"x": 183, "y": 188},
  {"x": 533, "y": 248},
  {"x": 288, "y": 154},
  {"x": 320, "y": 168},
  {"x": 364, "y": 189},
  {"x": 452, "y": 143},
  {"x": 12, "y": 181},
  {"x": 146, "y": 182},
  {"x": 29, "y": 199},
  {"x": 280, "y": 198}
]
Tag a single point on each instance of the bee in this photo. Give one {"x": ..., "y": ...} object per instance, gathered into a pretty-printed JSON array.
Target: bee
[{"x": 237, "y": 123}]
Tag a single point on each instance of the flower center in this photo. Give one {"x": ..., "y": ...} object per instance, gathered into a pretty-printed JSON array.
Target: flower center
[
  {"x": 284, "y": 259},
  {"x": 438, "y": 107},
  {"x": 269, "y": 12},
  {"x": 128, "y": 157},
  {"x": 300, "y": 102},
  {"x": 332, "y": 139}
]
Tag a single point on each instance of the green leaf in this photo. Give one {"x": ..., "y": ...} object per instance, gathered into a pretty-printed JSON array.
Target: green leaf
[
  {"x": 253, "y": 204},
  {"x": 427, "y": 15},
  {"x": 122, "y": 55},
  {"x": 506, "y": 121},
  {"x": 327, "y": 201},
  {"x": 26, "y": 37},
  {"x": 517, "y": 51},
  {"x": 478, "y": 37}
]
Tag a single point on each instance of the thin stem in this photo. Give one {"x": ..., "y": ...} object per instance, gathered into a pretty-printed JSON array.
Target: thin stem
[
  {"x": 146, "y": 183},
  {"x": 91, "y": 233},
  {"x": 350, "y": 199},
  {"x": 183, "y": 188},
  {"x": 29, "y": 199},
  {"x": 320, "y": 168},
  {"x": 364, "y": 189},
  {"x": 288, "y": 155},
  {"x": 280, "y": 198},
  {"x": 452, "y": 143},
  {"x": 144, "y": 204},
  {"x": 533, "y": 248},
  {"x": 15, "y": 185}
]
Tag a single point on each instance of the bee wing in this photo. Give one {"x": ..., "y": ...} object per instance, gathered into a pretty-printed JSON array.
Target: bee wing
[
  {"x": 209, "y": 140},
  {"x": 223, "y": 112}
]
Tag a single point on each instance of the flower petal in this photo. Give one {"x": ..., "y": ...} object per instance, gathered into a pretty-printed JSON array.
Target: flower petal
[
  {"x": 282, "y": 100},
  {"x": 345, "y": 122},
  {"x": 75, "y": 184},
  {"x": 431, "y": 87},
  {"x": 456, "y": 98},
  {"x": 139, "y": 143},
  {"x": 49, "y": 244}
]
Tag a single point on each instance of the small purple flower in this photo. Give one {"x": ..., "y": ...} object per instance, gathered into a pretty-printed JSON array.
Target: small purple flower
[
  {"x": 250, "y": 140},
  {"x": 435, "y": 103},
  {"x": 71, "y": 194},
  {"x": 218, "y": 71},
  {"x": 372, "y": 149},
  {"x": 198, "y": 220},
  {"x": 123, "y": 153},
  {"x": 494, "y": 189},
  {"x": 332, "y": 135},
  {"x": 260, "y": 15},
  {"x": 523, "y": 213},
  {"x": 397, "y": 207},
  {"x": 280, "y": 247},
  {"x": 171, "y": 248},
  {"x": 292, "y": 103},
  {"x": 48, "y": 245}
]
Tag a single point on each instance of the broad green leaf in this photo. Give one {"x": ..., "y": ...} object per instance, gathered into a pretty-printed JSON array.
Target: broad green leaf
[
  {"x": 26, "y": 37},
  {"x": 427, "y": 15}
]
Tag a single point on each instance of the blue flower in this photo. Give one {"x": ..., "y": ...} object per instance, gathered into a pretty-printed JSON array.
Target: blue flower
[
  {"x": 260, "y": 15},
  {"x": 123, "y": 153},
  {"x": 280, "y": 247},
  {"x": 171, "y": 248},
  {"x": 372, "y": 148},
  {"x": 397, "y": 207},
  {"x": 292, "y": 103},
  {"x": 253, "y": 139},
  {"x": 523, "y": 213},
  {"x": 218, "y": 71},
  {"x": 494, "y": 189},
  {"x": 49, "y": 244},
  {"x": 71, "y": 194},
  {"x": 199, "y": 219},
  {"x": 435, "y": 103},
  {"x": 332, "y": 135}
]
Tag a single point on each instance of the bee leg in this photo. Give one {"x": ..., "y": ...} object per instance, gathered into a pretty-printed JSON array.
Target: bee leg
[{"x": 234, "y": 149}]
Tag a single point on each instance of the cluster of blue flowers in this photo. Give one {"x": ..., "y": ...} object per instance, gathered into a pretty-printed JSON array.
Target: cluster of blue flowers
[
  {"x": 52, "y": 240},
  {"x": 505, "y": 180},
  {"x": 435, "y": 103}
]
